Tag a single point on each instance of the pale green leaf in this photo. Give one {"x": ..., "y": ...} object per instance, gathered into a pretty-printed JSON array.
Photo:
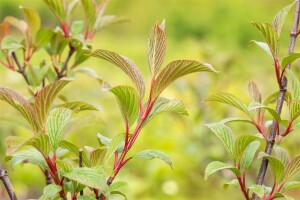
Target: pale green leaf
[
  {"x": 291, "y": 168},
  {"x": 33, "y": 21},
  {"x": 90, "y": 11},
  {"x": 97, "y": 157},
  {"x": 105, "y": 141},
  {"x": 217, "y": 166},
  {"x": 75, "y": 149},
  {"x": 230, "y": 100},
  {"x": 156, "y": 49},
  {"x": 113, "y": 146},
  {"x": 126, "y": 65},
  {"x": 55, "y": 125},
  {"x": 177, "y": 69},
  {"x": 80, "y": 106},
  {"x": 13, "y": 144},
  {"x": 292, "y": 78},
  {"x": 151, "y": 154},
  {"x": 294, "y": 108},
  {"x": 110, "y": 20},
  {"x": 50, "y": 191},
  {"x": 257, "y": 189},
  {"x": 235, "y": 119},
  {"x": 276, "y": 166},
  {"x": 44, "y": 100},
  {"x": 234, "y": 183},
  {"x": 128, "y": 102},
  {"x": 278, "y": 195},
  {"x": 280, "y": 18},
  {"x": 91, "y": 177},
  {"x": 58, "y": 8},
  {"x": 240, "y": 146},
  {"x": 225, "y": 134},
  {"x": 264, "y": 46},
  {"x": 40, "y": 142},
  {"x": 255, "y": 106},
  {"x": 273, "y": 98},
  {"x": 165, "y": 105},
  {"x": 269, "y": 35},
  {"x": 248, "y": 154},
  {"x": 43, "y": 37},
  {"x": 282, "y": 155},
  {"x": 118, "y": 185},
  {"x": 64, "y": 166},
  {"x": 292, "y": 185}
]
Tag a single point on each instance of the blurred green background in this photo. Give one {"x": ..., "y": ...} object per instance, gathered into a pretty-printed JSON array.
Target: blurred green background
[{"x": 210, "y": 31}]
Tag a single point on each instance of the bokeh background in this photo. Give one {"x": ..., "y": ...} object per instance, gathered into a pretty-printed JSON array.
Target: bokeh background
[{"x": 210, "y": 31}]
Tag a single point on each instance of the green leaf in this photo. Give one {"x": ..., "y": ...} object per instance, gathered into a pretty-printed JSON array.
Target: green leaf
[
  {"x": 294, "y": 109},
  {"x": 91, "y": 177},
  {"x": 165, "y": 105},
  {"x": 116, "y": 186},
  {"x": 240, "y": 146},
  {"x": 255, "y": 95},
  {"x": 80, "y": 106},
  {"x": 292, "y": 185},
  {"x": 33, "y": 21},
  {"x": 280, "y": 18},
  {"x": 255, "y": 106},
  {"x": 235, "y": 183},
  {"x": 90, "y": 72},
  {"x": 295, "y": 84},
  {"x": 43, "y": 37},
  {"x": 40, "y": 142},
  {"x": 151, "y": 154},
  {"x": 90, "y": 11},
  {"x": 57, "y": 44},
  {"x": 44, "y": 100},
  {"x": 113, "y": 146},
  {"x": 289, "y": 59},
  {"x": 86, "y": 198},
  {"x": 97, "y": 157},
  {"x": 20, "y": 104},
  {"x": 10, "y": 44},
  {"x": 269, "y": 35},
  {"x": 282, "y": 155},
  {"x": 75, "y": 149},
  {"x": 30, "y": 155},
  {"x": 264, "y": 46},
  {"x": 156, "y": 49},
  {"x": 13, "y": 144},
  {"x": 77, "y": 27},
  {"x": 50, "y": 191},
  {"x": 273, "y": 98},
  {"x": 177, "y": 69},
  {"x": 55, "y": 125},
  {"x": 278, "y": 195},
  {"x": 230, "y": 100},
  {"x": 57, "y": 7},
  {"x": 105, "y": 141},
  {"x": 109, "y": 20},
  {"x": 225, "y": 134},
  {"x": 257, "y": 189},
  {"x": 249, "y": 154},
  {"x": 291, "y": 168},
  {"x": 126, "y": 65},
  {"x": 64, "y": 166},
  {"x": 128, "y": 102},
  {"x": 235, "y": 119},
  {"x": 217, "y": 166},
  {"x": 276, "y": 166}
]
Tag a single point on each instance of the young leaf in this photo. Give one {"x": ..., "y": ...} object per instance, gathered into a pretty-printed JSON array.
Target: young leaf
[
  {"x": 291, "y": 168},
  {"x": 128, "y": 102},
  {"x": 30, "y": 155},
  {"x": 105, "y": 141},
  {"x": 217, "y": 166},
  {"x": 80, "y": 106},
  {"x": 254, "y": 92},
  {"x": 276, "y": 166},
  {"x": 248, "y": 155},
  {"x": 292, "y": 185},
  {"x": 110, "y": 20},
  {"x": 113, "y": 146},
  {"x": 75, "y": 149},
  {"x": 269, "y": 35},
  {"x": 40, "y": 142},
  {"x": 151, "y": 154},
  {"x": 97, "y": 157},
  {"x": 235, "y": 119},
  {"x": 282, "y": 155},
  {"x": 257, "y": 189},
  {"x": 64, "y": 166},
  {"x": 13, "y": 144},
  {"x": 240, "y": 147},
  {"x": 295, "y": 84},
  {"x": 294, "y": 109},
  {"x": 289, "y": 59},
  {"x": 43, "y": 37},
  {"x": 225, "y": 134},
  {"x": 278, "y": 195},
  {"x": 273, "y": 112},
  {"x": 264, "y": 46},
  {"x": 90, "y": 11},
  {"x": 234, "y": 183},
  {"x": 116, "y": 186},
  {"x": 156, "y": 49},
  {"x": 230, "y": 100},
  {"x": 50, "y": 191},
  {"x": 44, "y": 100},
  {"x": 126, "y": 65},
  {"x": 33, "y": 20},
  {"x": 165, "y": 105},
  {"x": 57, "y": 7},
  {"x": 91, "y": 177},
  {"x": 20, "y": 104},
  {"x": 55, "y": 125},
  {"x": 280, "y": 18},
  {"x": 177, "y": 69},
  {"x": 84, "y": 197}
]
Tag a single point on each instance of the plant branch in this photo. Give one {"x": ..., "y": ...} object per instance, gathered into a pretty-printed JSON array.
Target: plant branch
[
  {"x": 21, "y": 69},
  {"x": 8, "y": 186},
  {"x": 80, "y": 165},
  {"x": 60, "y": 74},
  {"x": 280, "y": 100}
]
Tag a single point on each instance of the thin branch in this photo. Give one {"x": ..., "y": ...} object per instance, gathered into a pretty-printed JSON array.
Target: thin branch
[
  {"x": 280, "y": 100},
  {"x": 21, "y": 69},
  {"x": 8, "y": 186},
  {"x": 60, "y": 74},
  {"x": 80, "y": 165}
]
